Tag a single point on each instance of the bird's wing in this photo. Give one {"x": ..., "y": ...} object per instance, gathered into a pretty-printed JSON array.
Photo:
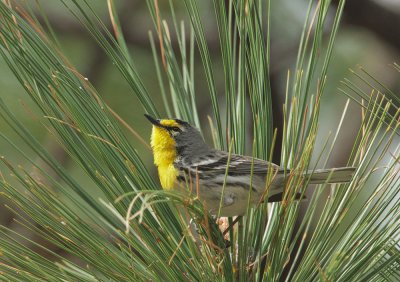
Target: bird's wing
[{"x": 238, "y": 165}]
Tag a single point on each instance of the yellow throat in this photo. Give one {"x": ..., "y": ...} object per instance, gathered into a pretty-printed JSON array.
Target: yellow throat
[{"x": 164, "y": 152}]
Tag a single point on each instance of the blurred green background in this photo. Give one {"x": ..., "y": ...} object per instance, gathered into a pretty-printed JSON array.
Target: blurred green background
[{"x": 367, "y": 38}]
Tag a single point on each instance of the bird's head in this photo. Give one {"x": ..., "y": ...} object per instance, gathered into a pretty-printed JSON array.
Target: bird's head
[{"x": 173, "y": 138}]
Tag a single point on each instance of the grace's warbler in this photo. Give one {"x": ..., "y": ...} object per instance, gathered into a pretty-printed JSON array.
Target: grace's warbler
[{"x": 182, "y": 157}]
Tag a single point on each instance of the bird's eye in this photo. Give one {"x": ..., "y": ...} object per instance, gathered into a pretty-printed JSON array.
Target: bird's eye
[{"x": 175, "y": 129}]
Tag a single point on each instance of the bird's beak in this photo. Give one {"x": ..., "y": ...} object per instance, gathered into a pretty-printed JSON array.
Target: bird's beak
[{"x": 154, "y": 121}]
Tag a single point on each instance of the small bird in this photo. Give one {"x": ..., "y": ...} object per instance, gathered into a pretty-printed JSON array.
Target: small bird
[{"x": 183, "y": 159}]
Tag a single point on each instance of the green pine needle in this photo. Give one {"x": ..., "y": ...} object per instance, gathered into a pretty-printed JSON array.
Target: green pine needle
[{"x": 137, "y": 232}]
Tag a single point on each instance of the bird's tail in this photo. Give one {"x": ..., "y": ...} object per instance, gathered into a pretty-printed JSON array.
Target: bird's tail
[
  {"x": 320, "y": 176},
  {"x": 332, "y": 175}
]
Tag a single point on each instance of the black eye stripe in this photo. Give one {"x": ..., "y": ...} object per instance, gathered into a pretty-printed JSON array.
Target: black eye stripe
[{"x": 175, "y": 128}]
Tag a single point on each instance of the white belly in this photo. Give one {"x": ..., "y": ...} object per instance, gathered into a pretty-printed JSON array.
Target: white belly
[{"x": 232, "y": 200}]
